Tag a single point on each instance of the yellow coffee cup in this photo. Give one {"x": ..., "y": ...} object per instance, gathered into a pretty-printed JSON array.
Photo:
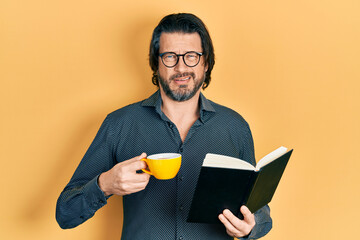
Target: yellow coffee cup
[{"x": 163, "y": 165}]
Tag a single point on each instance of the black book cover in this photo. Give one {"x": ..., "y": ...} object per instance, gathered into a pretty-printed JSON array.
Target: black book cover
[
  {"x": 266, "y": 182},
  {"x": 224, "y": 188}
]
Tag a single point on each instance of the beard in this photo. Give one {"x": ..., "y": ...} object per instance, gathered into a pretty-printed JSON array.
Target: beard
[{"x": 183, "y": 92}]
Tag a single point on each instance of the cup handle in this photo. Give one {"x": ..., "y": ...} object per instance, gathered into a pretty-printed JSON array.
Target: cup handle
[{"x": 144, "y": 170}]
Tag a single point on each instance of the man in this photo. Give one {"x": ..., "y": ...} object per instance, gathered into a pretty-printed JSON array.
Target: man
[{"x": 177, "y": 118}]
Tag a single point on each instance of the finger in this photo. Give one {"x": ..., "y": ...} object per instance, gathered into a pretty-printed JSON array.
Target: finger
[
  {"x": 136, "y": 163},
  {"x": 137, "y": 158},
  {"x": 142, "y": 177},
  {"x": 230, "y": 229},
  {"x": 131, "y": 188},
  {"x": 248, "y": 216},
  {"x": 135, "y": 177},
  {"x": 138, "y": 186},
  {"x": 141, "y": 156},
  {"x": 236, "y": 222}
]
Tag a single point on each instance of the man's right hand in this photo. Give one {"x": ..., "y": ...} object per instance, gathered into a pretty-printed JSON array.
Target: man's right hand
[{"x": 122, "y": 179}]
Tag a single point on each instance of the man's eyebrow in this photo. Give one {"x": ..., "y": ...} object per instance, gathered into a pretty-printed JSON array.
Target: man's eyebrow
[{"x": 181, "y": 52}]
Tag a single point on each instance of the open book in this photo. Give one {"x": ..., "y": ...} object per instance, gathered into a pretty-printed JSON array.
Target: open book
[{"x": 228, "y": 183}]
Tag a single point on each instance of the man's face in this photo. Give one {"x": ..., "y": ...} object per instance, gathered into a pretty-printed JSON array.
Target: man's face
[{"x": 181, "y": 82}]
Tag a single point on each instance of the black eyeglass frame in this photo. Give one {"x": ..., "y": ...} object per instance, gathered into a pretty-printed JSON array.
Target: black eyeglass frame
[{"x": 178, "y": 57}]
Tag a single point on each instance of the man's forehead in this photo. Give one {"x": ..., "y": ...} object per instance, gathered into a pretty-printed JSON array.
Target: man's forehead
[{"x": 168, "y": 41}]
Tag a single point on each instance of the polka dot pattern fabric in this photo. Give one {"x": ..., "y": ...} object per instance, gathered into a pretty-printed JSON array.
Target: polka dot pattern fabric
[{"x": 160, "y": 211}]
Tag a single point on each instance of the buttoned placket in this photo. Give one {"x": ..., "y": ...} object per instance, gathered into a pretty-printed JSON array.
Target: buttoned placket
[
  {"x": 179, "y": 203},
  {"x": 180, "y": 209}
]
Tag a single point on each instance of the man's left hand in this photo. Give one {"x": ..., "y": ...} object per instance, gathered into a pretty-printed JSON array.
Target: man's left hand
[{"x": 236, "y": 227}]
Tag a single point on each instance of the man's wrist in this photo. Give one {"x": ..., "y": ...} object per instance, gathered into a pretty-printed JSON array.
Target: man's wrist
[{"x": 101, "y": 183}]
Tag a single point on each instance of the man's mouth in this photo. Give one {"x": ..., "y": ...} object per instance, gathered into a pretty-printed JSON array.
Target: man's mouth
[{"x": 182, "y": 79}]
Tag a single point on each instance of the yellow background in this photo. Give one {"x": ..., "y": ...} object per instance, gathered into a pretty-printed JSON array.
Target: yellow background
[{"x": 291, "y": 68}]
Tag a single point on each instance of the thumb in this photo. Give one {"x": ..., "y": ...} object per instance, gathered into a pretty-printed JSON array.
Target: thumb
[
  {"x": 248, "y": 216},
  {"x": 141, "y": 156},
  {"x": 135, "y": 163},
  {"x": 137, "y": 158}
]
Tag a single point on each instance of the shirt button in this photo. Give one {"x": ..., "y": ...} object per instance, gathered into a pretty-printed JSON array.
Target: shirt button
[
  {"x": 181, "y": 150},
  {"x": 181, "y": 238},
  {"x": 181, "y": 208},
  {"x": 181, "y": 178}
]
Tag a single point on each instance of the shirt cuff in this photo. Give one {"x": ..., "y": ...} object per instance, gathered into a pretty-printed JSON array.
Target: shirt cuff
[
  {"x": 261, "y": 228},
  {"x": 94, "y": 196}
]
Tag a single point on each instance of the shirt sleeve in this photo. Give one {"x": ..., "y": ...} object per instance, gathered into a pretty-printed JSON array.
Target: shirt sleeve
[
  {"x": 263, "y": 224},
  {"x": 82, "y": 196}
]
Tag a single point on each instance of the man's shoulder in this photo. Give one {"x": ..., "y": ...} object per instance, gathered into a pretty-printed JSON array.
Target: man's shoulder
[
  {"x": 136, "y": 109},
  {"x": 227, "y": 113},
  {"x": 132, "y": 110}
]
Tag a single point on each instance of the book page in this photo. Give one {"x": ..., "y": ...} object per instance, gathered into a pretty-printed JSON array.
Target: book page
[
  {"x": 271, "y": 157},
  {"x": 221, "y": 161}
]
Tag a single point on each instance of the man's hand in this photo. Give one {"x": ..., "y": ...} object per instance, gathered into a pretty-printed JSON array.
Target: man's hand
[
  {"x": 236, "y": 227},
  {"x": 122, "y": 179}
]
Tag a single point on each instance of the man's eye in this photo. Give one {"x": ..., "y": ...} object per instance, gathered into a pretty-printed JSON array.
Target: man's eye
[
  {"x": 191, "y": 55},
  {"x": 169, "y": 56}
]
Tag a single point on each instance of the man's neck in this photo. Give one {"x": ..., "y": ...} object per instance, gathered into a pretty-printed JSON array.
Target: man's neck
[
  {"x": 182, "y": 114},
  {"x": 175, "y": 109}
]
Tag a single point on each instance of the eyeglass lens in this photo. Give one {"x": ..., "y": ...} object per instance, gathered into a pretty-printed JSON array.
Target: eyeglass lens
[{"x": 191, "y": 59}]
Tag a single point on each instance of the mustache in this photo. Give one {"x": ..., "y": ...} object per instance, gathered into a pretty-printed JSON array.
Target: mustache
[{"x": 185, "y": 74}]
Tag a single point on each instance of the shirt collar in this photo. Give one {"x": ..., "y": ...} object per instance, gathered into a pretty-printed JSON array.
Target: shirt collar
[
  {"x": 205, "y": 105},
  {"x": 153, "y": 100}
]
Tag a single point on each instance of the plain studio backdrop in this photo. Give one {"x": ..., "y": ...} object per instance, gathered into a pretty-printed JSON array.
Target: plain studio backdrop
[{"x": 291, "y": 68}]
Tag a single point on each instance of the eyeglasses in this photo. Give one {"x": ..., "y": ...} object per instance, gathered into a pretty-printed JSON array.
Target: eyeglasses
[{"x": 170, "y": 59}]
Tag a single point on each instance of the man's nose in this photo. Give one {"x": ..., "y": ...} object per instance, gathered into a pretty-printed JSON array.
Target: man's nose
[{"x": 180, "y": 66}]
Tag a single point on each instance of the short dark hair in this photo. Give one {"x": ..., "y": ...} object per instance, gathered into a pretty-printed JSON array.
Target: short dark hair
[{"x": 183, "y": 23}]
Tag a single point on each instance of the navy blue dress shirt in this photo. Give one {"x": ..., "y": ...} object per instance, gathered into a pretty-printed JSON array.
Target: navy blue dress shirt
[{"x": 160, "y": 211}]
